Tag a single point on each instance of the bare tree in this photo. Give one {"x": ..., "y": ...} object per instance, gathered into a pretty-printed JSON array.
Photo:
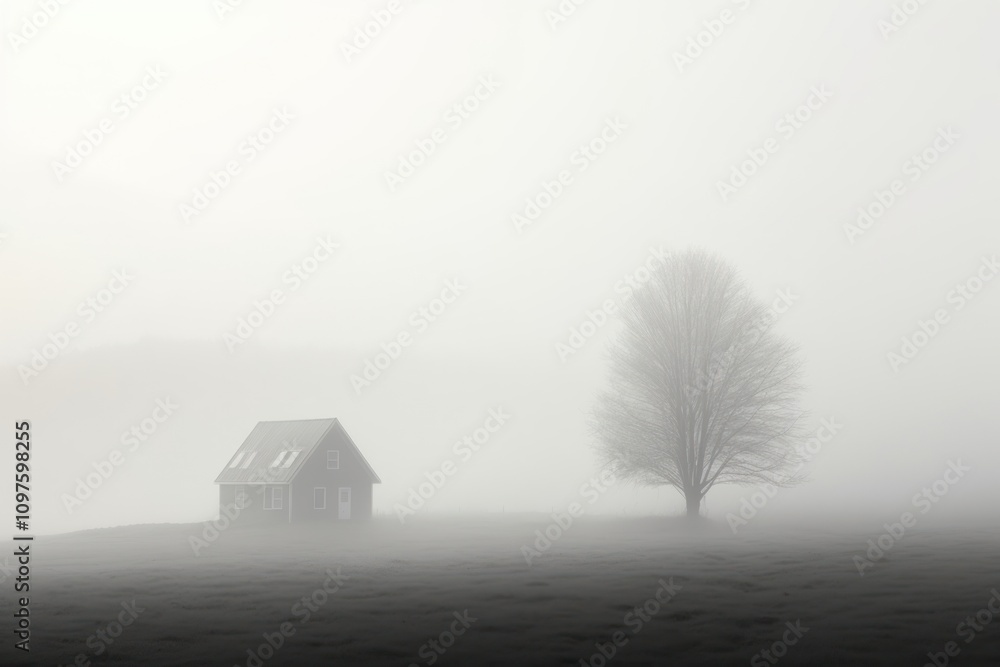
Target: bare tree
[{"x": 702, "y": 390}]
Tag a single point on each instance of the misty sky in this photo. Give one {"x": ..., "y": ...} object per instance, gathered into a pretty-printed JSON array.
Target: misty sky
[{"x": 678, "y": 131}]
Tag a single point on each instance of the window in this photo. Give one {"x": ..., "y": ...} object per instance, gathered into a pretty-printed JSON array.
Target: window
[
  {"x": 333, "y": 460},
  {"x": 236, "y": 460},
  {"x": 246, "y": 464},
  {"x": 288, "y": 460},
  {"x": 319, "y": 498},
  {"x": 285, "y": 458},
  {"x": 241, "y": 497},
  {"x": 272, "y": 497}
]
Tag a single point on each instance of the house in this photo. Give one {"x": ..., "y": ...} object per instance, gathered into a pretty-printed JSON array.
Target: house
[{"x": 297, "y": 471}]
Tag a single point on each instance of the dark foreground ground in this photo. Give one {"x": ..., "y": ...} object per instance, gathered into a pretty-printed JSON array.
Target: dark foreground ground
[{"x": 705, "y": 597}]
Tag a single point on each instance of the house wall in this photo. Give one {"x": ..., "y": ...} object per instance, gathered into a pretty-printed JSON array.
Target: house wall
[
  {"x": 254, "y": 513},
  {"x": 313, "y": 473}
]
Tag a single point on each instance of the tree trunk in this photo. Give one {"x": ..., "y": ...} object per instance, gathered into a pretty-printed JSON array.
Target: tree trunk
[{"x": 693, "y": 504}]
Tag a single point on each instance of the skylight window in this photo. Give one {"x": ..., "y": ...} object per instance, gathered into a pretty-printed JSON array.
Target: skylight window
[
  {"x": 246, "y": 464},
  {"x": 291, "y": 457},
  {"x": 236, "y": 460},
  {"x": 277, "y": 461}
]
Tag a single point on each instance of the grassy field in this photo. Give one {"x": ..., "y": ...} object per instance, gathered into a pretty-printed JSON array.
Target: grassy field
[{"x": 381, "y": 593}]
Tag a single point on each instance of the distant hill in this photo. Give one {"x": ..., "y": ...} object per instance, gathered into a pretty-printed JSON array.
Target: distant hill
[{"x": 405, "y": 423}]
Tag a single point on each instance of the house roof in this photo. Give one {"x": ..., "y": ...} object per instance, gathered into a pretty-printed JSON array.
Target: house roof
[{"x": 268, "y": 455}]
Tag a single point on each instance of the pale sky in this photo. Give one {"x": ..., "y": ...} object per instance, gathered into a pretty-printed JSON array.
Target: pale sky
[{"x": 679, "y": 131}]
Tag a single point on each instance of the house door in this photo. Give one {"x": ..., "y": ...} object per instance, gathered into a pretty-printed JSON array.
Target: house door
[{"x": 344, "y": 511}]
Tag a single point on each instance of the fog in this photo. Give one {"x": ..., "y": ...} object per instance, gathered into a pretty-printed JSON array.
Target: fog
[
  {"x": 523, "y": 289},
  {"x": 435, "y": 222}
]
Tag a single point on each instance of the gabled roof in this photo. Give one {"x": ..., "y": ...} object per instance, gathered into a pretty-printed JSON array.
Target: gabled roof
[{"x": 268, "y": 455}]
